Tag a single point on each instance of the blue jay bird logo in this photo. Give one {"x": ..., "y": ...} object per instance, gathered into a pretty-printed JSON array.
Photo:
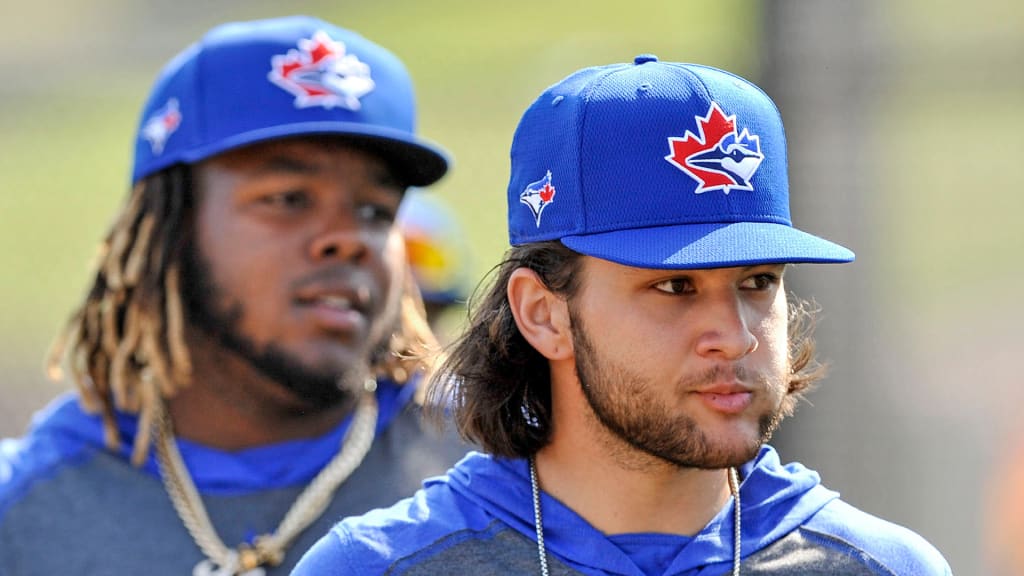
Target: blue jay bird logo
[
  {"x": 538, "y": 195},
  {"x": 160, "y": 125},
  {"x": 719, "y": 158},
  {"x": 322, "y": 73}
]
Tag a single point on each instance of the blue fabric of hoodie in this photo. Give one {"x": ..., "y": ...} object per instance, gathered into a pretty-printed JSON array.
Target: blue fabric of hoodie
[
  {"x": 67, "y": 503},
  {"x": 479, "y": 519}
]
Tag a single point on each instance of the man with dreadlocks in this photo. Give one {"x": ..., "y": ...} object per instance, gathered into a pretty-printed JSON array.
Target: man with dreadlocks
[{"x": 245, "y": 356}]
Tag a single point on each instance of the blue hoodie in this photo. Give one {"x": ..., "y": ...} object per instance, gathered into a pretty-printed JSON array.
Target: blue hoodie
[
  {"x": 67, "y": 504},
  {"x": 479, "y": 519}
]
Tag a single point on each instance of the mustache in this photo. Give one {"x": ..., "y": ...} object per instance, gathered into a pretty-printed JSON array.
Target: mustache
[
  {"x": 337, "y": 274},
  {"x": 354, "y": 279},
  {"x": 720, "y": 372}
]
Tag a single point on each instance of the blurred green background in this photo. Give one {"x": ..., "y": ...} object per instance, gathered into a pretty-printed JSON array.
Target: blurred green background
[{"x": 904, "y": 121}]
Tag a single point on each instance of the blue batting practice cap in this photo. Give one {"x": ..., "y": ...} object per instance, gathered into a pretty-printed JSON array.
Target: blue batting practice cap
[
  {"x": 658, "y": 165},
  {"x": 246, "y": 82}
]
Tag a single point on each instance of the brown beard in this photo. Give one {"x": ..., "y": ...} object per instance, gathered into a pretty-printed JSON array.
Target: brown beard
[
  {"x": 620, "y": 402},
  {"x": 320, "y": 389}
]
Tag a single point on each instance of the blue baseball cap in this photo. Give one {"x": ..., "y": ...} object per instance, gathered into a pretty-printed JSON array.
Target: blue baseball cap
[
  {"x": 658, "y": 165},
  {"x": 247, "y": 82}
]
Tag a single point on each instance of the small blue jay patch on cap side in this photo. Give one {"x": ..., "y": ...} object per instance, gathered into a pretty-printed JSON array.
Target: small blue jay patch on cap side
[
  {"x": 538, "y": 196},
  {"x": 160, "y": 125}
]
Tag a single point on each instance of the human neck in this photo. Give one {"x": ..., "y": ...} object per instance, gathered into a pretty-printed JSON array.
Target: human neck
[
  {"x": 230, "y": 405},
  {"x": 616, "y": 487},
  {"x": 623, "y": 498}
]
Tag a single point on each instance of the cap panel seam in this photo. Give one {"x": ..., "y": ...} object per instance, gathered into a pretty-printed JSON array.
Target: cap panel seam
[
  {"x": 694, "y": 76},
  {"x": 768, "y": 100},
  {"x": 729, "y": 202},
  {"x": 202, "y": 128},
  {"x": 743, "y": 80},
  {"x": 594, "y": 85}
]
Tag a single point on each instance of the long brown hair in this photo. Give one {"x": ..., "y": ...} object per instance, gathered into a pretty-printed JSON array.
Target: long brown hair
[
  {"x": 125, "y": 345},
  {"x": 496, "y": 387}
]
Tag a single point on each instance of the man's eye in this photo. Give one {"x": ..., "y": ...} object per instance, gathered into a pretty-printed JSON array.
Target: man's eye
[
  {"x": 292, "y": 199},
  {"x": 376, "y": 213},
  {"x": 761, "y": 281},
  {"x": 674, "y": 286}
]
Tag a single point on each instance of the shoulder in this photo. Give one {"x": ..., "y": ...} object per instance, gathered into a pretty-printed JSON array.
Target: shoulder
[
  {"x": 392, "y": 540},
  {"x": 406, "y": 452},
  {"x": 404, "y": 424},
  {"x": 372, "y": 542},
  {"x": 892, "y": 548},
  {"x": 365, "y": 544},
  {"x": 50, "y": 444}
]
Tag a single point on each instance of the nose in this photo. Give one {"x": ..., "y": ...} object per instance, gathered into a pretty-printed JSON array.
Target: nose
[
  {"x": 725, "y": 332},
  {"x": 341, "y": 238}
]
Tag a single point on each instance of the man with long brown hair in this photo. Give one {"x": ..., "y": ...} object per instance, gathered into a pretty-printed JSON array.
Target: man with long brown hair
[
  {"x": 633, "y": 357},
  {"x": 245, "y": 357}
]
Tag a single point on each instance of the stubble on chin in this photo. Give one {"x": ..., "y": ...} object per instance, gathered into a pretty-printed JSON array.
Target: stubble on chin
[
  {"x": 641, "y": 433},
  {"x": 208, "y": 309}
]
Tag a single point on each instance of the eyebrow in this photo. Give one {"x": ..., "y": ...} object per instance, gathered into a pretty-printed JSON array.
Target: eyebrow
[
  {"x": 783, "y": 265},
  {"x": 287, "y": 164}
]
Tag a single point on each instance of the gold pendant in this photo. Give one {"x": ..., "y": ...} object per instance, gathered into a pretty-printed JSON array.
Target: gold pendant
[{"x": 207, "y": 567}]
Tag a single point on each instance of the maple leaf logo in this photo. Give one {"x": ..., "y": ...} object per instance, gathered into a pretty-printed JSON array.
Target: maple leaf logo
[
  {"x": 538, "y": 196},
  {"x": 718, "y": 158},
  {"x": 321, "y": 73}
]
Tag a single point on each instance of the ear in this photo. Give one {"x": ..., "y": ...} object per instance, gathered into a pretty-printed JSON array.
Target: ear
[{"x": 541, "y": 315}]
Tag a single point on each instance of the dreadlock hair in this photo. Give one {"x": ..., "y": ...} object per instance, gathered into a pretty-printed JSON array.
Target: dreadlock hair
[
  {"x": 125, "y": 345},
  {"x": 497, "y": 388}
]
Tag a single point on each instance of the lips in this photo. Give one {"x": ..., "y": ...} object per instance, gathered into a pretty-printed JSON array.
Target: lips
[
  {"x": 336, "y": 307},
  {"x": 335, "y": 301},
  {"x": 727, "y": 402},
  {"x": 723, "y": 389},
  {"x": 725, "y": 394}
]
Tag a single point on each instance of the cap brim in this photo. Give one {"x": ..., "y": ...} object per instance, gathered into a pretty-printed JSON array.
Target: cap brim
[
  {"x": 719, "y": 245},
  {"x": 417, "y": 161}
]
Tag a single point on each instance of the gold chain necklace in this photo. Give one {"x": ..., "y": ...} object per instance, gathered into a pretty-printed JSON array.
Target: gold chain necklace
[
  {"x": 246, "y": 560},
  {"x": 538, "y": 521}
]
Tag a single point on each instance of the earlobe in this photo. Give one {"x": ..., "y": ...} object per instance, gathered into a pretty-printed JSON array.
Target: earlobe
[{"x": 541, "y": 315}]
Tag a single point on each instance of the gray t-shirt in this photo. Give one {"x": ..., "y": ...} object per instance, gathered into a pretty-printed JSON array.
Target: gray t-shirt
[{"x": 67, "y": 505}]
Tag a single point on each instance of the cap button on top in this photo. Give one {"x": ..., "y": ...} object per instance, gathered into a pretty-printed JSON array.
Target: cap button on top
[{"x": 644, "y": 58}]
